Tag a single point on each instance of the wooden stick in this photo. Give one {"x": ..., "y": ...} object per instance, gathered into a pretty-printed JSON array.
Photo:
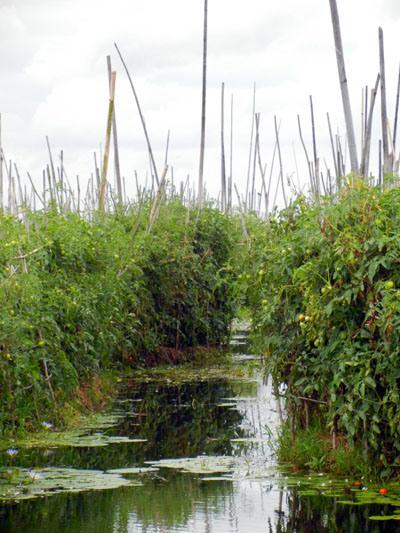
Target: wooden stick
[
  {"x": 115, "y": 139},
  {"x": 167, "y": 150},
  {"x": 280, "y": 162},
  {"x": 387, "y": 164},
  {"x": 103, "y": 182},
  {"x": 333, "y": 148},
  {"x": 251, "y": 147},
  {"x": 223, "y": 165},
  {"x": 153, "y": 164},
  {"x": 344, "y": 86},
  {"x": 396, "y": 115},
  {"x": 203, "y": 108},
  {"x": 316, "y": 161},
  {"x": 368, "y": 135},
  {"x": 313, "y": 188},
  {"x": 230, "y": 160}
]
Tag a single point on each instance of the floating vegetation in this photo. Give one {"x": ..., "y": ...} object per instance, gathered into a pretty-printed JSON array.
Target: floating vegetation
[
  {"x": 87, "y": 436},
  {"x": 22, "y": 484},
  {"x": 203, "y": 464},
  {"x": 74, "y": 439},
  {"x": 133, "y": 470}
]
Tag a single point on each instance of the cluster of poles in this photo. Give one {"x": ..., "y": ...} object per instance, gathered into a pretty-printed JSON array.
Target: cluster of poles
[{"x": 266, "y": 188}]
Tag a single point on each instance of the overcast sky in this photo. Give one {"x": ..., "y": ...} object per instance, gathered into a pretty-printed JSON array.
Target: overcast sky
[{"x": 53, "y": 76}]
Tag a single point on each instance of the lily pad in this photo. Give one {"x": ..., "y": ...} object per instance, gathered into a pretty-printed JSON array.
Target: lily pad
[
  {"x": 73, "y": 439},
  {"x": 22, "y": 484},
  {"x": 199, "y": 465},
  {"x": 133, "y": 470}
]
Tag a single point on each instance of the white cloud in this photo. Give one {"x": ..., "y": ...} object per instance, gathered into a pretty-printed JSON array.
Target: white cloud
[{"x": 53, "y": 75}]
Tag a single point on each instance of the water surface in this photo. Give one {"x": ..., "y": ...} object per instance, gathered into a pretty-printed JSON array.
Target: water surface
[{"x": 198, "y": 457}]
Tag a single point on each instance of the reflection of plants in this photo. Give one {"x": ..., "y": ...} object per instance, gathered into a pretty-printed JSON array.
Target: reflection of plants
[{"x": 176, "y": 426}]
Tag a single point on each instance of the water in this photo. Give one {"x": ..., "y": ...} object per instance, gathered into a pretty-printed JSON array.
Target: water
[{"x": 222, "y": 429}]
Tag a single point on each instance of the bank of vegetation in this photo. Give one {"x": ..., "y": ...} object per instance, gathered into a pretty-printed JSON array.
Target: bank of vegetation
[
  {"x": 324, "y": 290},
  {"x": 83, "y": 295}
]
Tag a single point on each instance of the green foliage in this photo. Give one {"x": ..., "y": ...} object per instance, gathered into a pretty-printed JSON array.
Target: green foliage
[
  {"x": 311, "y": 450},
  {"x": 78, "y": 296},
  {"x": 325, "y": 293}
]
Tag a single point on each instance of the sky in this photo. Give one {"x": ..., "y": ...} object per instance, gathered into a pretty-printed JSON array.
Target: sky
[{"x": 53, "y": 78}]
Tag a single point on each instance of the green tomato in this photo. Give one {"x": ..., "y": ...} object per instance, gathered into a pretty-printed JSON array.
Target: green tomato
[{"x": 389, "y": 285}]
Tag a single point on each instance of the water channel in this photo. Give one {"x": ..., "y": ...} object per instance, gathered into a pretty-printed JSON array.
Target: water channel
[{"x": 182, "y": 451}]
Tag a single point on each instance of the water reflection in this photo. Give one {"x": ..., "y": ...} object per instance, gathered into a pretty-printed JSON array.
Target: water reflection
[{"x": 181, "y": 420}]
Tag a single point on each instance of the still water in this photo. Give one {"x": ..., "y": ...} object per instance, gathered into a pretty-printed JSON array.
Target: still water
[{"x": 199, "y": 458}]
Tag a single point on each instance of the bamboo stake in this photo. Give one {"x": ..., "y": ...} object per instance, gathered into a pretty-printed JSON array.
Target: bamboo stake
[
  {"x": 313, "y": 189},
  {"x": 387, "y": 163},
  {"x": 35, "y": 191},
  {"x": 396, "y": 114},
  {"x": 316, "y": 161},
  {"x": 115, "y": 139},
  {"x": 167, "y": 150},
  {"x": 153, "y": 164},
  {"x": 230, "y": 160},
  {"x": 368, "y": 134},
  {"x": 223, "y": 166},
  {"x": 280, "y": 162},
  {"x": 251, "y": 147},
  {"x": 203, "y": 108},
  {"x": 242, "y": 220},
  {"x": 344, "y": 86},
  {"x": 333, "y": 148},
  {"x": 103, "y": 182},
  {"x": 155, "y": 208}
]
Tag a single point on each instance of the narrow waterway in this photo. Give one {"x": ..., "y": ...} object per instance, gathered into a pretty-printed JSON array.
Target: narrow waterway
[{"x": 183, "y": 451}]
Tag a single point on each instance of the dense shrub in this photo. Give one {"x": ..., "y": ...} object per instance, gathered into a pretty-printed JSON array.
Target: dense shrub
[
  {"x": 325, "y": 294},
  {"x": 78, "y": 296}
]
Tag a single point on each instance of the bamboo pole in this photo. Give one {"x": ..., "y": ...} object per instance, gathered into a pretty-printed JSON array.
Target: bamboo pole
[
  {"x": 103, "y": 182},
  {"x": 167, "y": 150},
  {"x": 332, "y": 147},
  {"x": 387, "y": 163},
  {"x": 313, "y": 188},
  {"x": 280, "y": 162},
  {"x": 247, "y": 203},
  {"x": 223, "y": 163},
  {"x": 115, "y": 140},
  {"x": 344, "y": 86},
  {"x": 149, "y": 148},
  {"x": 230, "y": 159},
  {"x": 203, "y": 108},
  {"x": 396, "y": 114},
  {"x": 316, "y": 160},
  {"x": 368, "y": 134}
]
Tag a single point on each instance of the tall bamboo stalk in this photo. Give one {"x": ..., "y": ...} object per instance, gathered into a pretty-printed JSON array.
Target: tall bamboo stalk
[
  {"x": 103, "y": 181},
  {"x": 344, "y": 87},
  {"x": 149, "y": 148},
  {"x": 368, "y": 134},
  {"x": 280, "y": 162},
  {"x": 396, "y": 114},
  {"x": 387, "y": 163},
  {"x": 115, "y": 140},
  {"x": 230, "y": 179},
  {"x": 247, "y": 203},
  {"x": 203, "y": 108},
  {"x": 223, "y": 164}
]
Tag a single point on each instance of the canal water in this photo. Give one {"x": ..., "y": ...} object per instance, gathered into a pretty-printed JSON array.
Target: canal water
[{"x": 188, "y": 450}]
